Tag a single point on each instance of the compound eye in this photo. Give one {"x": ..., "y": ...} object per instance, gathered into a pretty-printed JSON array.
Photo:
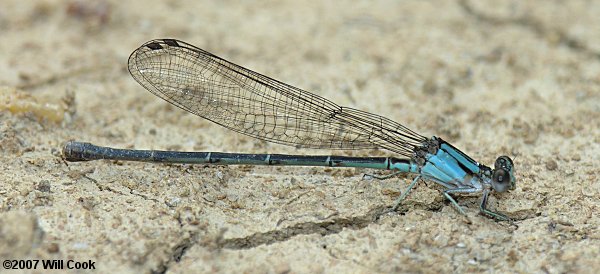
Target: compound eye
[
  {"x": 503, "y": 162},
  {"x": 500, "y": 180}
]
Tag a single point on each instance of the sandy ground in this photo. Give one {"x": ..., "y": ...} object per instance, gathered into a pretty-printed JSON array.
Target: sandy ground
[{"x": 520, "y": 78}]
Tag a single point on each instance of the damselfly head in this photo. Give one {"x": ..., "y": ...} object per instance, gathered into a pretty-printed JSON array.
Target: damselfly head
[{"x": 503, "y": 177}]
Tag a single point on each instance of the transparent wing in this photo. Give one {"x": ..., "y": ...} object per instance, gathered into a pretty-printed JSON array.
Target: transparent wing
[{"x": 256, "y": 105}]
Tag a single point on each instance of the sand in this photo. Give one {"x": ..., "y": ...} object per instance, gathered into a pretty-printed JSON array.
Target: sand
[{"x": 517, "y": 78}]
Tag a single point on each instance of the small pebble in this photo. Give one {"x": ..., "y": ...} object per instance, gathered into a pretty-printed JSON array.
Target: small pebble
[
  {"x": 43, "y": 186},
  {"x": 551, "y": 165},
  {"x": 53, "y": 248}
]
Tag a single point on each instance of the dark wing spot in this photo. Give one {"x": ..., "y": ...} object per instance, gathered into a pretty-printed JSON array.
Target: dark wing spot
[
  {"x": 154, "y": 46},
  {"x": 171, "y": 42}
]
